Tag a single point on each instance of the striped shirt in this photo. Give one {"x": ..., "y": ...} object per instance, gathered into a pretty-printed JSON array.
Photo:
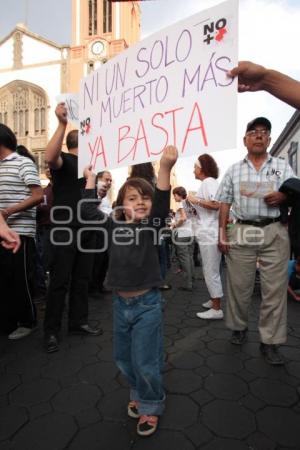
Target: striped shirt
[
  {"x": 244, "y": 187},
  {"x": 17, "y": 173}
]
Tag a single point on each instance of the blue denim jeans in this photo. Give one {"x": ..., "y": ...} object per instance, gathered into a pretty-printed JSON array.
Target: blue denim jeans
[{"x": 138, "y": 348}]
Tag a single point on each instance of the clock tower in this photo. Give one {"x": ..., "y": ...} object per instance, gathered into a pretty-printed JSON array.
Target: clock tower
[{"x": 100, "y": 30}]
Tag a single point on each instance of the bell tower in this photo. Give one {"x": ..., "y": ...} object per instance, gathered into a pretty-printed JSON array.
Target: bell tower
[{"x": 100, "y": 30}]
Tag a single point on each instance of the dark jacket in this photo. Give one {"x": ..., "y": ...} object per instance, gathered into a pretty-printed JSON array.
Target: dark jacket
[{"x": 291, "y": 188}]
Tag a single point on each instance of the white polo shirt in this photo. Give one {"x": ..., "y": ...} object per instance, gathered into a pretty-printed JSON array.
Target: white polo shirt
[
  {"x": 105, "y": 206},
  {"x": 207, "y": 218},
  {"x": 184, "y": 230}
]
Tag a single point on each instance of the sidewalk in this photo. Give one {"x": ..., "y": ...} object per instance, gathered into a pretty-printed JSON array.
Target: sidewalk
[{"x": 219, "y": 396}]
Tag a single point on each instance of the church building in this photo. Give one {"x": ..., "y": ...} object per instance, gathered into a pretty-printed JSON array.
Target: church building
[{"x": 35, "y": 70}]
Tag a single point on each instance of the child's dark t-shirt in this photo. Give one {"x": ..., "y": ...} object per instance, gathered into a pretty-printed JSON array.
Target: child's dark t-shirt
[{"x": 133, "y": 252}]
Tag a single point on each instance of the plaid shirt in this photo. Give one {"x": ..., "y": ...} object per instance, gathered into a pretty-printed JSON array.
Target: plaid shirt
[{"x": 242, "y": 178}]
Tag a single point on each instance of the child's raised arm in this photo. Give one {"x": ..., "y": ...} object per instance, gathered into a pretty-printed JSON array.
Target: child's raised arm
[{"x": 167, "y": 161}]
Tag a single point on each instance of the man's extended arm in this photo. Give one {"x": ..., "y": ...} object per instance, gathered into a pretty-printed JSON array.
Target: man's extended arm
[
  {"x": 181, "y": 219},
  {"x": 207, "y": 204},
  {"x": 35, "y": 198},
  {"x": 53, "y": 149},
  {"x": 253, "y": 77}
]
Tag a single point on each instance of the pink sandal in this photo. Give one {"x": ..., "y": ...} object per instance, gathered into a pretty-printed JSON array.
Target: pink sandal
[
  {"x": 147, "y": 425},
  {"x": 132, "y": 409}
]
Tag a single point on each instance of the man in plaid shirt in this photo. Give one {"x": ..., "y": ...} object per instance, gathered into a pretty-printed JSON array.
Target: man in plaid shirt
[{"x": 250, "y": 189}]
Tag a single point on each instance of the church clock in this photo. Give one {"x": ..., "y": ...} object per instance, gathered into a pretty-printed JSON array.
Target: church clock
[{"x": 97, "y": 48}]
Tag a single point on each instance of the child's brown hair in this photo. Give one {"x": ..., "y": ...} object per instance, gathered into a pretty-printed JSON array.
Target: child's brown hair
[{"x": 141, "y": 185}]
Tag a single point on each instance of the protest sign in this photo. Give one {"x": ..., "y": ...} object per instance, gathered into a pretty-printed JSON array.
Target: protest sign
[
  {"x": 72, "y": 104},
  {"x": 171, "y": 88}
]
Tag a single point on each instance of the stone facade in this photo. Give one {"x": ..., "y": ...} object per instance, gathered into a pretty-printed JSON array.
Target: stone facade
[{"x": 28, "y": 62}]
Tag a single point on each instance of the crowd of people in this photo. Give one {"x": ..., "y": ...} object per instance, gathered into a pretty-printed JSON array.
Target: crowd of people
[{"x": 74, "y": 242}]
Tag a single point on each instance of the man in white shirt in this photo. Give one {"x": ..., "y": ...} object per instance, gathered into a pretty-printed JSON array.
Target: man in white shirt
[{"x": 104, "y": 182}]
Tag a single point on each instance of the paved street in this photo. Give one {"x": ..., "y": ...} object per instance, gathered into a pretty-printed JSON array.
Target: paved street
[{"x": 220, "y": 397}]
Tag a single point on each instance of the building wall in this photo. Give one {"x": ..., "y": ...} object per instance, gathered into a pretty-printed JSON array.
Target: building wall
[
  {"x": 37, "y": 52},
  {"x": 28, "y": 58},
  {"x": 6, "y": 55},
  {"x": 39, "y": 76},
  {"x": 33, "y": 71},
  {"x": 125, "y": 22},
  {"x": 287, "y": 145},
  {"x": 125, "y": 31}
]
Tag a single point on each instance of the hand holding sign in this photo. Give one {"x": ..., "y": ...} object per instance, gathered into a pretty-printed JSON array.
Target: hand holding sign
[
  {"x": 71, "y": 102},
  {"x": 61, "y": 113},
  {"x": 88, "y": 172},
  {"x": 251, "y": 76},
  {"x": 90, "y": 177}
]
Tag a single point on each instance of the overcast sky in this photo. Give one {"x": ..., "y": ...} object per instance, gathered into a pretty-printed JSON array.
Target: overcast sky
[{"x": 268, "y": 34}]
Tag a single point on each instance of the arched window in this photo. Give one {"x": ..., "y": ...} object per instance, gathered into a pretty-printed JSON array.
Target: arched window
[
  {"x": 3, "y": 109},
  {"x": 36, "y": 121},
  {"x": 20, "y": 100},
  {"x": 26, "y": 122},
  {"x": 39, "y": 114},
  {"x": 21, "y": 123},
  {"x": 43, "y": 120},
  {"x": 15, "y": 128},
  {"x": 24, "y": 107},
  {"x": 93, "y": 17},
  {"x": 107, "y": 16}
]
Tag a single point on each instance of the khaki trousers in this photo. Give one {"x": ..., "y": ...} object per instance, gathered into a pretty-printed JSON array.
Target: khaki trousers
[{"x": 270, "y": 245}]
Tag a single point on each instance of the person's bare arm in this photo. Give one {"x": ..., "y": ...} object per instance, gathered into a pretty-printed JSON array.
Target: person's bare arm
[
  {"x": 253, "y": 77},
  {"x": 10, "y": 239},
  {"x": 293, "y": 294},
  {"x": 181, "y": 219},
  {"x": 167, "y": 161},
  {"x": 223, "y": 220},
  {"x": 53, "y": 149},
  {"x": 207, "y": 204},
  {"x": 35, "y": 198}
]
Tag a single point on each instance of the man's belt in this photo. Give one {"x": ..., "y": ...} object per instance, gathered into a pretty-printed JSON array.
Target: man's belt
[{"x": 258, "y": 223}]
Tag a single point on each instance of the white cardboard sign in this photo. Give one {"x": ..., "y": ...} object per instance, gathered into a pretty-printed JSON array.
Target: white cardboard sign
[
  {"x": 170, "y": 88},
  {"x": 72, "y": 104}
]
